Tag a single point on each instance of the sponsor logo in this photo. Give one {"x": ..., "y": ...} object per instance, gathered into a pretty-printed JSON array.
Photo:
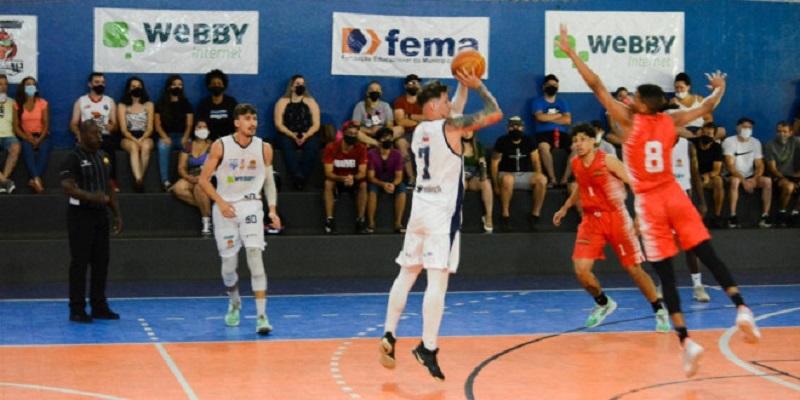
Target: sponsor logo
[
  {"x": 397, "y": 46},
  {"x": 359, "y": 41},
  {"x": 642, "y": 48},
  {"x": 252, "y": 164},
  {"x": 429, "y": 189},
  {"x": 234, "y": 179},
  {"x": 8, "y": 49},
  {"x": 741, "y": 154},
  {"x": 351, "y": 163}
]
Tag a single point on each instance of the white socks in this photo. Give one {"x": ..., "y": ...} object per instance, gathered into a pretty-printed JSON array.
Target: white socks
[
  {"x": 696, "y": 279},
  {"x": 433, "y": 306}
]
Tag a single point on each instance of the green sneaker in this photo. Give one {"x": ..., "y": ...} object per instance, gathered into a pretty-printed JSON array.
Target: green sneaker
[
  {"x": 262, "y": 325},
  {"x": 599, "y": 313},
  {"x": 662, "y": 321},
  {"x": 232, "y": 317}
]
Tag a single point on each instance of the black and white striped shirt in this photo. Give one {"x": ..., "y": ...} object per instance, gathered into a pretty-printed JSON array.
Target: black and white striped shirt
[{"x": 91, "y": 172}]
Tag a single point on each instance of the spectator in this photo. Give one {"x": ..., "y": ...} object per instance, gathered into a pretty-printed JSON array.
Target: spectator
[
  {"x": 476, "y": 176},
  {"x": 709, "y": 166},
  {"x": 615, "y": 136},
  {"x": 102, "y": 109},
  {"x": 135, "y": 114},
  {"x": 217, "y": 108},
  {"x": 599, "y": 144},
  {"x": 174, "y": 121},
  {"x": 408, "y": 113},
  {"x": 685, "y": 100},
  {"x": 345, "y": 163},
  {"x": 745, "y": 162},
  {"x": 552, "y": 120},
  {"x": 515, "y": 165},
  {"x": 780, "y": 154},
  {"x": 190, "y": 163},
  {"x": 385, "y": 174},
  {"x": 32, "y": 125},
  {"x": 297, "y": 121},
  {"x": 9, "y": 141}
]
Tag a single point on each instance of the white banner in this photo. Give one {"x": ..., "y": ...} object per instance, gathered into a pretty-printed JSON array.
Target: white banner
[
  {"x": 376, "y": 45},
  {"x": 160, "y": 41},
  {"x": 624, "y": 48},
  {"x": 18, "y": 47}
]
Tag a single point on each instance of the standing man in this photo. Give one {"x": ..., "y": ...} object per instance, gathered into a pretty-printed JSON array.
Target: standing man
[
  {"x": 85, "y": 178},
  {"x": 242, "y": 164},
  {"x": 648, "y": 136},
  {"x": 217, "y": 108},
  {"x": 102, "y": 109},
  {"x": 601, "y": 182},
  {"x": 432, "y": 238},
  {"x": 552, "y": 121}
]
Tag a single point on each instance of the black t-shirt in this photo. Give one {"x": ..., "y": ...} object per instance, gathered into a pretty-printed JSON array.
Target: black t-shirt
[
  {"x": 516, "y": 157},
  {"x": 173, "y": 116},
  {"x": 219, "y": 117},
  {"x": 91, "y": 172},
  {"x": 706, "y": 158}
]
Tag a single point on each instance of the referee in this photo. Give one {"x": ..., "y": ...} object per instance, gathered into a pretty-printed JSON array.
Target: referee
[{"x": 85, "y": 179}]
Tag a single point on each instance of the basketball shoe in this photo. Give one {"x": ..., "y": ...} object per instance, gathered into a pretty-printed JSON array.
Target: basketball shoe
[{"x": 428, "y": 359}]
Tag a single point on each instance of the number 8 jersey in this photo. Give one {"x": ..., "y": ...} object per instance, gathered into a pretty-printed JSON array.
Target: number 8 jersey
[{"x": 648, "y": 152}]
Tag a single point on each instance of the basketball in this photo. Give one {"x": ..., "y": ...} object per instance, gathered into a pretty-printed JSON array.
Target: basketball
[{"x": 469, "y": 60}]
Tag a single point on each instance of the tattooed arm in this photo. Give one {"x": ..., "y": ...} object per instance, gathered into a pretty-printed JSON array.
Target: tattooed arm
[{"x": 491, "y": 113}]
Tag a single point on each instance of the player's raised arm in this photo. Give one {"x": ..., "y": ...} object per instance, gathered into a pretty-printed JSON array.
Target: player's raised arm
[{"x": 490, "y": 114}]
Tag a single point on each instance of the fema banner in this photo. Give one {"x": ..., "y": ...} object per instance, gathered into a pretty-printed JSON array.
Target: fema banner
[
  {"x": 377, "y": 45},
  {"x": 18, "y": 47},
  {"x": 160, "y": 41},
  {"x": 624, "y": 48}
]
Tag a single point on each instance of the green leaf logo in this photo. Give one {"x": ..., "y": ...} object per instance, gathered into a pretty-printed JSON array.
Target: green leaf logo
[
  {"x": 115, "y": 34},
  {"x": 584, "y": 55}
]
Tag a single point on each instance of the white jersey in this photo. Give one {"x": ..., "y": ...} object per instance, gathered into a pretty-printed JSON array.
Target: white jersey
[
  {"x": 241, "y": 172},
  {"x": 100, "y": 110},
  {"x": 681, "y": 164}
]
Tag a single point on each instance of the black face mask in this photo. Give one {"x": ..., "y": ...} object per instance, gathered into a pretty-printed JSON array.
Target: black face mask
[
  {"x": 138, "y": 92},
  {"x": 551, "y": 90},
  {"x": 99, "y": 89},
  {"x": 299, "y": 90},
  {"x": 176, "y": 91},
  {"x": 515, "y": 134},
  {"x": 387, "y": 144},
  {"x": 706, "y": 139},
  {"x": 412, "y": 91},
  {"x": 465, "y": 140},
  {"x": 374, "y": 96},
  {"x": 216, "y": 90},
  {"x": 351, "y": 140}
]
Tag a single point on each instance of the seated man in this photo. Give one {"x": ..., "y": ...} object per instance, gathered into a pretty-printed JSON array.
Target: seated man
[
  {"x": 385, "y": 174},
  {"x": 345, "y": 164},
  {"x": 515, "y": 165},
  {"x": 780, "y": 154},
  {"x": 709, "y": 166},
  {"x": 745, "y": 162}
]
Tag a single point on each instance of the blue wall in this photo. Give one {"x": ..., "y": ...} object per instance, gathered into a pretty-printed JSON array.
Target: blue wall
[{"x": 757, "y": 43}]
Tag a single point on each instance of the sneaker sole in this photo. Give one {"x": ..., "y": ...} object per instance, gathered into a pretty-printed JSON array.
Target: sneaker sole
[
  {"x": 263, "y": 331},
  {"x": 386, "y": 360}
]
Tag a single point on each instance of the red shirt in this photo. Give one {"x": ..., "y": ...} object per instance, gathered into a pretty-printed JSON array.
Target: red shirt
[
  {"x": 401, "y": 103},
  {"x": 648, "y": 151},
  {"x": 600, "y": 189},
  {"x": 345, "y": 163}
]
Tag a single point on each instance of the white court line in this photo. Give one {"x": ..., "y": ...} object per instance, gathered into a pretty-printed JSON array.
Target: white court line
[
  {"x": 176, "y": 371},
  {"x": 61, "y": 390},
  {"x": 725, "y": 349}
]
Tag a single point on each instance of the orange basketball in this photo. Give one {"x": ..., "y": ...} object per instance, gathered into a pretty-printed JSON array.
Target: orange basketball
[{"x": 469, "y": 60}]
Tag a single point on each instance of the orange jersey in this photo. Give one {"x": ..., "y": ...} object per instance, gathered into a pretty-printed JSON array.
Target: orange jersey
[
  {"x": 648, "y": 151},
  {"x": 600, "y": 190}
]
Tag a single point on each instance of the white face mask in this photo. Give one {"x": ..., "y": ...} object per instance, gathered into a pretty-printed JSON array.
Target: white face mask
[
  {"x": 3, "y": 97},
  {"x": 745, "y": 133},
  {"x": 201, "y": 133},
  {"x": 681, "y": 95},
  {"x": 598, "y": 138}
]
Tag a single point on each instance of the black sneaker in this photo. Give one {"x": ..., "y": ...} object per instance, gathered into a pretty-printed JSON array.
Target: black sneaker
[
  {"x": 764, "y": 221},
  {"x": 428, "y": 359},
  {"x": 533, "y": 220},
  {"x": 103, "y": 312},
  {"x": 733, "y": 222},
  {"x": 80, "y": 317},
  {"x": 717, "y": 222},
  {"x": 361, "y": 226},
  {"x": 386, "y": 349},
  {"x": 794, "y": 219},
  {"x": 505, "y": 222},
  {"x": 782, "y": 219},
  {"x": 330, "y": 226}
]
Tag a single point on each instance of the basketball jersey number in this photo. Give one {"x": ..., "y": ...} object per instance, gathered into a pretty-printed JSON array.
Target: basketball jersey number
[
  {"x": 653, "y": 156},
  {"x": 425, "y": 154}
]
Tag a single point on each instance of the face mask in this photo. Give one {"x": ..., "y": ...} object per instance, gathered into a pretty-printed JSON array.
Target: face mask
[
  {"x": 706, "y": 140},
  {"x": 746, "y": 133},
  {"x": 299, "y": 90},
  {"x": 465, "y": 140},
  {"x": 387, "y": 144},
  {"x": 681, "y": 95},
  {"x": 176, "y": 91},
  {"x": 412, "y": 91},
  {"x": 515, "y": 134},
  {"x": 216, "y": 90},
  {"x": 137, "y": 92},
  {"x": 99, "y": 89},
  {"x": 551, "y": 90},
  {"x": 374, "y": 96},
  {"x": 201, "y": 133},
  {"x": 351, "y": 140},
  {"x": 598, "y": 138},
  {"x": 30, "y": 90},
  {"x": 3, "y": 97}
]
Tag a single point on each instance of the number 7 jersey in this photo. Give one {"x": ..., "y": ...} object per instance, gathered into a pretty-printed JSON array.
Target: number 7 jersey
[{"x": 648, "y": 152}]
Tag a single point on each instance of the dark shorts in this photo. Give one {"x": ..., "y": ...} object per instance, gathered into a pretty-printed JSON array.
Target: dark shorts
[
  {"x": 399, "y": 188},
  {"x": 564, "y": 140},
  {"x": 341, "y": 188}
]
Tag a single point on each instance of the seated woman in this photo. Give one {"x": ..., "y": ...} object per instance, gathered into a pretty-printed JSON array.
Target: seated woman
[
  {"x": 32, "y": 125},
  {"x": 685, "y": 100},
  {"x": 135, "y": 114},
  {"x": 190, "y": 163},
  {"x": 296, "y": 117},
  {"x": 476, "y": 176}
]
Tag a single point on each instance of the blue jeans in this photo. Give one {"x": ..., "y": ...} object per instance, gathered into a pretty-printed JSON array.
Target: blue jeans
[
  {"x": 36, "y": 159},
  {"x": 163, "y": 153},
  {"x": 309, "y": 156}
]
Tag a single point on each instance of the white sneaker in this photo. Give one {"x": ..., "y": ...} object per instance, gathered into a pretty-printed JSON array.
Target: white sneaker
[
  {"x": 701, "y": 295},
  {"x": 206, "y": 228},
  {"x": 747, "y": 324},
  {"x": 691, "y": 357},
  {"x": 262, "y": 325}
]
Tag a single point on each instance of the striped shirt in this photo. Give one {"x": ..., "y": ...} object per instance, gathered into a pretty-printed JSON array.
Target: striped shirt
[{"x": 91, "y": 172}]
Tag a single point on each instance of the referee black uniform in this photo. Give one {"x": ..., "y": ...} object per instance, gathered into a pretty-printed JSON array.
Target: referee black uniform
[{"x": 85, "y": 177}]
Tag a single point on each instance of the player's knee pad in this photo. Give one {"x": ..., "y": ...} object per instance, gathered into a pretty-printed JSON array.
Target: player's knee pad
[
  {"x": 229, "y": 265},
  {"x": 255, "y": 260}
]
